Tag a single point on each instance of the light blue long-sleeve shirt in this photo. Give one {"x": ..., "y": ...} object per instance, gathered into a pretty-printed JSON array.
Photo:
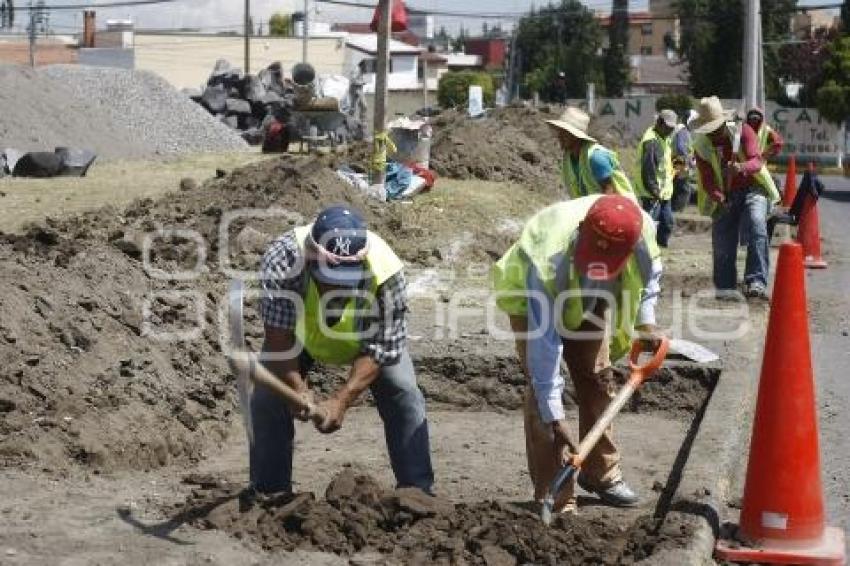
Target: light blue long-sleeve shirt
[{"x": 544, "y": 346}]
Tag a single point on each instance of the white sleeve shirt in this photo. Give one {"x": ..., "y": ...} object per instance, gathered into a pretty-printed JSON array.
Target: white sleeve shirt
[{"x": 544, "y": 346}]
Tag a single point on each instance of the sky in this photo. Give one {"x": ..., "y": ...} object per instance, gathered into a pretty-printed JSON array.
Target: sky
[{"x": 220, "y": 14}]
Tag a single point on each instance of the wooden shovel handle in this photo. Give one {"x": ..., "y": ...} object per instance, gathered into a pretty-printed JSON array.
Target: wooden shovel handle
[{"x": 247, "y": 362}]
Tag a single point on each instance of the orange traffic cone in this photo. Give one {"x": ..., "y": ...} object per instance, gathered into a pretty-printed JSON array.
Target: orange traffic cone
[
  {"x": 782, "y": 517},
  {"x": 790, "y": 189},
  {"x": 808, "y": 232}
]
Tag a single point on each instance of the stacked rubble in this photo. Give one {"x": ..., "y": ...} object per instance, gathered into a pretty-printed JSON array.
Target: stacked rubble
[{"x": 250, "y": 103}]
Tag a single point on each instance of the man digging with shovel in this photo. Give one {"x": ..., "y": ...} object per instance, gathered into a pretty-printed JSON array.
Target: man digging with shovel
[
  {"x": 583, "y": 274},
  {"x": 334, "y": 292}
]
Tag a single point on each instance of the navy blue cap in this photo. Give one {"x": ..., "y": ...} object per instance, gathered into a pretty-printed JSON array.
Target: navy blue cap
[{"x": 340, "y": 231}]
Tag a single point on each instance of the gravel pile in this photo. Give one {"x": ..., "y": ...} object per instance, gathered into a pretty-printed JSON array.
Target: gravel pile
[{"x": 116, "y": 113}]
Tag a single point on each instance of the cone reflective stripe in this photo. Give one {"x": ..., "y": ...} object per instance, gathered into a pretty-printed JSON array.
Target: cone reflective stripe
[
  {"x": 808, "y": 232},
  {"x": 782, "y": 516},
  {"x": 790, "y": 188}
]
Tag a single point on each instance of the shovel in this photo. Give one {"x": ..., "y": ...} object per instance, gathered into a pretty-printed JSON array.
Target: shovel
[
  {"x": 249, "y": 371},
  {"x": 638, "y": 374}
]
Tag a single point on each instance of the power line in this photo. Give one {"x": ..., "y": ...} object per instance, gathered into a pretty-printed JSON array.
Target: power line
[{"x": 114, "y": 4}]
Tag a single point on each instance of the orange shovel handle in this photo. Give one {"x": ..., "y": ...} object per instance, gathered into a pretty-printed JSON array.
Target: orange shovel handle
[{"x": 640, "y": 373}]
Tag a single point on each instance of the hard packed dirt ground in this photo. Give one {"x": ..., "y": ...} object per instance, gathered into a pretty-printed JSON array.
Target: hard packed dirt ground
[{"x": 120, "y": 438}]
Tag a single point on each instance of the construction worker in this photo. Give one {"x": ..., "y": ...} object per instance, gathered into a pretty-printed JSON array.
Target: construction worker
[
  {"x": 334, "y": 292},
  {"x": 770, "y": 142},
  {"x": 584, "y": 274},
  {"x": 588, "y": 168},
  {"x": 654, "y": 184},
  {"x": 734, "y": 186},
  {"x": 683, "y": 163}
]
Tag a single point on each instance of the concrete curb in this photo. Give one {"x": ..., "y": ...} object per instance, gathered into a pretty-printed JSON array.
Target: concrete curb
[{"x": 716, "y": 450}]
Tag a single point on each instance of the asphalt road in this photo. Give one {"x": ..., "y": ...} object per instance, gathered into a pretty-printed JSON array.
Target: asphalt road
[{"x": 829, "y": 300}]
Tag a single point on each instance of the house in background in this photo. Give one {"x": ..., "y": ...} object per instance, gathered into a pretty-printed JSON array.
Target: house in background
[
  {"x": 404, "y": 72},
  {"x": 657, "y": 75},
  {"x": 409, "y": 37},
  {"x": 492, "y": 51},
  {"x": 463, "y": 62},
  {"x": 432, "y": 66}
]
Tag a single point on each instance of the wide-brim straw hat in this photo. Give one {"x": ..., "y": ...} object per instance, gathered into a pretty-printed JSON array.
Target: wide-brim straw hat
[
  {"x": 710, "y": 115},
  {"x": 574, "y": 121}
]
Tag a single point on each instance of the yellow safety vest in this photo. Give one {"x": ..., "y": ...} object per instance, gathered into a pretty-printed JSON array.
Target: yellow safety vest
[
  {"x": 585, "y": 183},
  {"x": 764, "y": 137},
  {"x": 705, "y": 150},
  {"x": 665, "y": 171},
  {"x": 341, "y": 345},
  {"x": 544, "y": 244}
]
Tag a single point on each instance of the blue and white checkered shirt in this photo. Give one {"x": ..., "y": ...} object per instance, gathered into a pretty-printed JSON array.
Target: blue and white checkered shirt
[{"x": 283, "y": 270}]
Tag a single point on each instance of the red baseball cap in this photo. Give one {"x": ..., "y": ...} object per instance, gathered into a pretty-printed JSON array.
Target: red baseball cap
[{"x": 607, "y": 237}]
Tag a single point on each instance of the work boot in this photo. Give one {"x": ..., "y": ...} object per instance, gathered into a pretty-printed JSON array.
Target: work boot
[
  {"x": 618, "y": 494},
  {"x": 756, "y": 291}
]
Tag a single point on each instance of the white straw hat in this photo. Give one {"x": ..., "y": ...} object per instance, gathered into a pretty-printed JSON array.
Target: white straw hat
[{"x": 574, "y": 121}]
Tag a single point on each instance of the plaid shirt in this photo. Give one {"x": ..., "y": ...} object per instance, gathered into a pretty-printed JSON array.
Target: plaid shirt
[{"x": 283, "y": 271}]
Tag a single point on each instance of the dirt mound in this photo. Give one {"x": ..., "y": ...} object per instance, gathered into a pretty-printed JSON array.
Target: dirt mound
[
  {"x": 85, "y": 376},
  {"x": 358, "y": 516},
  {"x": 508, "y": 144}
]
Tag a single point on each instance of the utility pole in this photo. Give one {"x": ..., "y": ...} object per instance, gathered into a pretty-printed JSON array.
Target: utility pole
[
  {"x": 248, "y": 32},
  {"x": 38, "y": 17},
  {"x": 379, "y": 135},
  {"x": 306, "y": 34},
  {"x": 752, "y": 55}
]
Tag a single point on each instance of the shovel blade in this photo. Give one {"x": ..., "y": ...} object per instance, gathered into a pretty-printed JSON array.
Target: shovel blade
[
  {"x": 692, "y": 351},
  {"x": 236, "y": 321}
]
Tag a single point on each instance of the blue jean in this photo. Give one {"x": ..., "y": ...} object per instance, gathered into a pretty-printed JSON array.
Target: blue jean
[
  {"x": 400, "y": 405},
  {"x": 662, "y": 212},
  {"x": 748, "y": 207}
]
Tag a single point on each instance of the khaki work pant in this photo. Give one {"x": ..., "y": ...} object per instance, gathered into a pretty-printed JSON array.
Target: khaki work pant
[{"x": 593, "y": 380}]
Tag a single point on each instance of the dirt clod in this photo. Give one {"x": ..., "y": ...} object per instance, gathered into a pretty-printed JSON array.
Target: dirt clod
[{"x": 357, "y": 516}]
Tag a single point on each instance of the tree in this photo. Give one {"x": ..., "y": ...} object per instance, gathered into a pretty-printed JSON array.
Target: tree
[
  {"x": 280, "y": 24},
  {"x": 833, "y": 98},
  {"x": 712, "y": 40},
  {"x": 576, "y": 53},
  {"x": 845, "y": 17},
  {"x": 453, "y": 89},
  {"x": 7, "y": 14},
  {"x": 616, "y": 60},
  {"x": 803, "y": 63},
  {"x": 458, "y": 44}
]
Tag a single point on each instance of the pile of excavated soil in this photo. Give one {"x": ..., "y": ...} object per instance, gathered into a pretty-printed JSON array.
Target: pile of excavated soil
[
  {"x": 114, "y": 112},
  {"x": 508, "y": 144},
  {"x": 406, "y": 526},
  {"x": 83, "y": 377}
]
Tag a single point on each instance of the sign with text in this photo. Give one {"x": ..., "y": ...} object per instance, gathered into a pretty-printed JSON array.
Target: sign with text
[{"x": 806, "y": 134}]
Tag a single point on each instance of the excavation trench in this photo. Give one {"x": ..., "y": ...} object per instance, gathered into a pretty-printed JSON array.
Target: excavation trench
[{"x": 358, "y": 516}]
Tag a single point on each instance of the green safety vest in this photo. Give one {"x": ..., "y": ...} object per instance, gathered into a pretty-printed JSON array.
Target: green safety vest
[
  {"x": 705, "y": 150},
  {"x": 764, "y": 137},
  {"x": 544, "y": 244},
  {"x": 585, "y": 184},
  {"x": 342, "y": 344},
  {"x": 664, "y": 173}
]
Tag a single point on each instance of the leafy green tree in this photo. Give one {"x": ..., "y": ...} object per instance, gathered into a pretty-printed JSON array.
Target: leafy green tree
[
  {"x": 712, "y": 33},
  {"x": 833, "y": 98},
  {"x": 280, "y": 24},
  {"x": 578, "y": 39},
  {"x": 453, "y": 89},
  {"x": 616, "y": 66},
  {"x": 679, "y": 103},
  {"x": 845, "y": 17},
  {"x": 803, "y": 63}
]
